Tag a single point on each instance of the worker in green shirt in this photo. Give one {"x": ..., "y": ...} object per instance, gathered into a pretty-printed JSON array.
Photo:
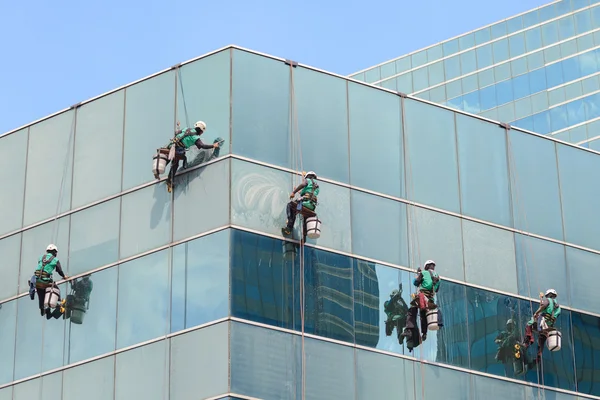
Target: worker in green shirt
[
  {"x": 309, "y": 190},
  {"x": 543, "y": 320}
]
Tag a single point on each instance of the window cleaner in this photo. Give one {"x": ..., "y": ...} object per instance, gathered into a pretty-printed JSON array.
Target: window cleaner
[
  {"x": 78, "y": 302},
  {"x": 306, "y": 206},
  {"x": 543, "y": 322},
  {"x": 428, "y": 282},
  {"x": 175, "y": 151},
  {"x": 396, "y": 310},
  {"x": 42, "y": 283}
]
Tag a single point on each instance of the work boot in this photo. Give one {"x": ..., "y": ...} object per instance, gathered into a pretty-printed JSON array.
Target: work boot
[
  {"x": 42, "y": 312},
  {"x": 286, "y": 231},
  {"x": 424, "y": 337},
  {"x": 169, "y": 186}
]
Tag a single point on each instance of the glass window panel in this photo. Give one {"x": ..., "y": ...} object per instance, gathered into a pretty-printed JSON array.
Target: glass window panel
[
  {"x": 434, "y": 167},
  {"x": 498, "y": 30},
  {"x": 434, "y": 53},
  {"x": 437, "y": 382},
  {"x": 468, "y": 62},
  {"x": 566, "y": 26},
  {"x": 534, "y": 61},
  {"x": 517, "y": 45},
  {"x": 537, "y": 80},
  {"x": 571, "y": 70},
  {"x": 501, "y": 52},
  {"x": 576, "y": 195},
  {"x": 502, "y": 72},
  {"x": 49, "y": 141},
  {"x": 531, "y": 18},
  {"x": 450, "y": 47},
  {"x": 541, "y": 123},
  {"x": 200, "y": 282},
  {"x": 504, "y": 92},
  {"x": 388, "y": 70},
  {"x": 261, "y": 102},
  {"x": 483, "y": 35},
  {"x": 372, "y": 283},
  {"x": 7, "y": 394},
  {"x": 557, "y": 366},
  {"x": 419, "y": 58},
  {"x": 483, "y": 170},
  {"x": 436, "y": 73},
  {"x": 489, "y": 249},
  {"x": 146, "y": 222},
  {"x": 454, "y": 89},
  {"x": 524, "y": 123},
  {"x": 404, "y": 83},
  {"x": 142, "y": 372},
  {"x": 94, "y": 247},
  {"x": 595, "y": 16},
  {"x": 262, "y": 363},
  {"x": 456, "y": 103},
  {"x": 519, "y": 66},
  {"x": 329, "y": 304},
  {"x": 389, "y": 84},
  {"x": 534, "y": 182},
  {"x": 34, "y": 243},
  {"x": 487, "y": 97},
  {"x": 541, "y": 265},
  {"x": 556, "y": 96},
  {"x": 582, "y": 277},
  {"x": 506, "y": 112},
  {"x": 140, "y": 319},
  {"x": 547, "y": 13},
  {"x": 266, "y": 295},
  {"x": 149, "y": 124},
  {"x": 469, "y": 83},
  {"x": 583, "y": 21},
  {"x": 521, "y": 86},
  {"x": 206, "y": 190},
  {"x": 486, "y": 77},
  {"x": 420, "y": 79},
  {"x": 95, "y": 334},
  {"x": 452, "y": 67},
  {"x": 370, "y": 212},
  {"x": 93, "y": 381},
  {"x": 98, "y": 149},
  {"x": 588, "y": 64},
  {"x": 376, "y": 111},
  {"x": 578, "y": 134},
  {"x": 471, "y": 103},
  {"x": 514, "y": 24},
  {"x": 322, "y": 107},
  {"x": 484, "y": 56},
  {"x": 403, "y": 64},
  {"x": 320, "y": 376},
  {"x": 375, "y": 371},
  {"x": 569, "y": 48},
  {"x": 539, "y": 101},
  {"x": 523, "y": 108},
  {"x": 585, "y": 42},
  {"x": 550, "y": 33},
  {"x": 205, "y": 376},
  {"x": 466, "y": 41},
  {"x": 373, "y": 75},
  {"x": 358, "y": 77},
  {"x": 12, "y": 173},
  {"x": 586, "y": 335},
  {"x": 7, "y": 339},
  {"x": 552, "y": 54},
  {"x": 52, "y": 386},
  {"x": 10, "y": 248},
  {"x": 28, "y": 390},
  {"x": 438, "y": 94},
  {"x": 49, "y": 387}
]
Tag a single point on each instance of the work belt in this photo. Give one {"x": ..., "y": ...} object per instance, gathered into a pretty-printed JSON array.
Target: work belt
[
  {"x": 42, "y": 274},
  {"x": 309, "y": 197}
]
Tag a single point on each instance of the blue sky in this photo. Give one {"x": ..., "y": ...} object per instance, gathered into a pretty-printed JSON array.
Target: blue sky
[{"x": 57, "y": 53}]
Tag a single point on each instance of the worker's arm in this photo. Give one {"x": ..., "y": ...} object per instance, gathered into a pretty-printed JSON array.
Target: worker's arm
[
  {"x": 300, "y": 186},
  {"x": 201, "y": 145},
  {"x": 543, "y": 304},
  {"x": 59, "y": 270}
]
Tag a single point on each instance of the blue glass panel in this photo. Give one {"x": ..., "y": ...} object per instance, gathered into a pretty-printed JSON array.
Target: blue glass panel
[
  {"x": 588, "y": 63},
  {"x": 547, "y": 12},
  {"x": 93, "y": 381},
  {"x": 583, "y": 275},
  {"x": 501, "y": 52},
  {"x": 585, "y": 42},
  {"x": 558, "y": 118},
  {"x": 554, "y": 75},
  {"x": 436, "y": 73},
  {"x": 404, "y": 83},
  {"x": 586, "y": 336},
  {"x": 504, "y": 92},
  {"x": 319, "y": 374},
  {"x": 483, "y": 170},
  {"x": 466, "y": 41},
  {"x": 487, "y": 97},
  {"x": 519, "y": 66},
  {"x": 452, "y": 67},
  {"x": 438, "y": 94},
  {"x": 570, "y": 69},
  {"x": 375, "y": 371},
  {"x": 433, "y": 167},
  {"x": 469, "y": 83},
  {"x": 568, "y": 48},
  {"x": 531, "y": 18},
  {"x": 523, "y": 108},
  {"x": 142, "y": 372},
  {"x": 420, "y": 79},
  {"x": 533, "y": 39},
  {"x": 521, "y": 86},
  {"x": 483, "y": 35},
  {"x": 506, "y": 112},
  {"x": 556, "y": 96},
  {"x": 10, "y": 248},
  {"x": 403, "y": 64},
  {"x": 550, "y": 33},
  {"x": 577, "y": 193},
  {"x": 485, "y": 56},
  {"x": 12, "y": 173},
  {"x": 517, "y": 45},
  {"x": 539, "y": 101},
  {"x": 566, "y": 26},
  {"x": 537, "y": 80},
  {"x": 541, "y": 123},
  {"x": 388, "y": 70},
  {"x": 498, "y": 30},
  {"x": 596, "y": 17},
  {"x": 468, "y": 62},
  {"x": 453, "y": 89},
  {"x": 502, "y": 72},
  {"x": 434, "y": 53},
  {"x": 471, "y": 102},
  {"x": 525, "y": 123},
  {"x": 450, "y": 47},
  {"x": 373, "y": 75},
  {"x": 514, "y": 24},
  {"x": 377, "y": 111},
  {"x": 419, "y": 58},
  {"x": 552, "y": 54},
  {"x": 7, "y": 340}
]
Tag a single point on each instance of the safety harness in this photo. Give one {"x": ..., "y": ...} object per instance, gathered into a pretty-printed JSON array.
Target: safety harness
[{"x": 41, "y": 273}]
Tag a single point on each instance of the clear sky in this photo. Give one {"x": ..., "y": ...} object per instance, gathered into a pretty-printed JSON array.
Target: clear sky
[{"x": 57, "y": 53}]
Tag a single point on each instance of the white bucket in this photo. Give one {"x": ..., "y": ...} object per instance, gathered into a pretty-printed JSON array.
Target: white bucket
[
  {"x": 159, "y": 163},
  {"x": 289, "y": 251},
  {"x": 313, "y": 227},
  {"x": 432, "y": 320},
  {"x": 52, "y": 296},
  {"x": 554, "y": 340}
]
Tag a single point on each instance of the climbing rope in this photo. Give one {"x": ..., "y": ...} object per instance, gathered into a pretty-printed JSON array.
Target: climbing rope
[{"x": 180, "y": 80}]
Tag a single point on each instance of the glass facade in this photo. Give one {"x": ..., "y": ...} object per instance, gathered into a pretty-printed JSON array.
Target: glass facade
[
  {"x": 197, "y": 294},
  {"x": 539, "y": 71}
]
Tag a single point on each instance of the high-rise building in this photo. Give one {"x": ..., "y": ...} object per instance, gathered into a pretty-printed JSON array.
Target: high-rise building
[
  {"x": 196, "y": 293},
  {"x": 539, "y": 70}
]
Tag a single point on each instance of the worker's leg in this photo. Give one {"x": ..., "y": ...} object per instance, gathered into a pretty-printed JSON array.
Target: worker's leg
[
  {"x": 291, "y": 211},
  {"x": 41, "y": 294},
  {"x": 423, "y": 315}
]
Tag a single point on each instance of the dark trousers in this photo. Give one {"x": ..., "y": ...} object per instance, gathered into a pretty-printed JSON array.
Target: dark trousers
[
  {"x": 41, "y": 294},
  {"x": 179, "y": 156},
  {"x": 291, "y": 211}
]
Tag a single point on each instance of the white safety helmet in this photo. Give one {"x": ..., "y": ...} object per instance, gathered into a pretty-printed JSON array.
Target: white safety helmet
[
  {"x": 551, "y": 291},
  {"x": 309, "y": 173},
  {"x": 51, "y": 247},
  {"x": 429, "y": 262},
  {"x": 201, "y": 125}
]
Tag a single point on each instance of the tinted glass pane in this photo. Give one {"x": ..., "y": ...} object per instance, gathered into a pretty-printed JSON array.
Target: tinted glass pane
[
  {"x": 49, "y": 387},
  {"x": 434, "y": 168},
  {"x": 149, "y": 124},
  {"x": 322, "y": 107},
  {"x": 582, "y": 277},
  {"x": 446, "y": 381},
  {"x": 369, "y": 213},
  {"x": 319, "y": 374},
  {"x": 10, "y": 248},
  {"x": 91, "y": 331},
  {"x": 49, "y": 141},
  {"x": 586, "y": 336},
  {"x": 146, "y": 220},
  {"x": 267, "y": 295},
  {"x": 93, "y": 381},
  {"x": 200, "y": 363},
  {"x": 139, "y": 318},
  {"x": 12, "y": 173},
  {"x": 206, "y": 191},
  {"x": 375, "y": 111},
  {"x": 327, "y": 314},
  {"x": 483, "y": 170},
  {"x": 142, "y": 372},
  {"x": 263, "y": 363},
  {"x": 375, "y": 371},
  {"x": 534, "y": 185},
  {"x": 261, "y": 108},
  {"x": 98, "y": 149},
  {"x": 94, "y": 237},
  {"x": 484, "y": 56},
  {"x": 200, "y": 282},
  {"x": 489, "y": 249},
  {"x": 8, "y": 312},
  {"x": 576, "y": 195}
]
